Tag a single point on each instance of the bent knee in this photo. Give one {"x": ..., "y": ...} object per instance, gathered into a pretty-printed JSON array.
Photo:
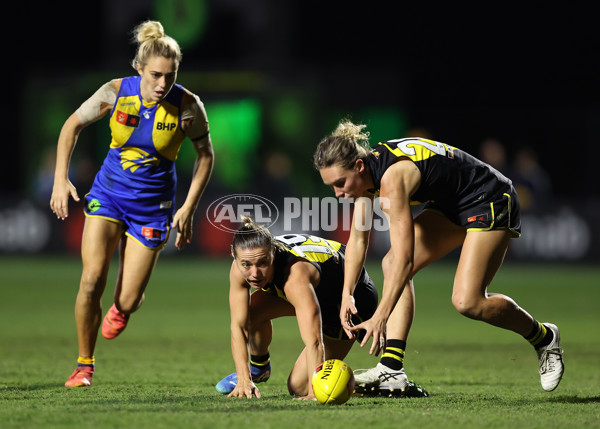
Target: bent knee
[
  {"x": 468, "y": 307},
  {"x": 297, "y": 387}
]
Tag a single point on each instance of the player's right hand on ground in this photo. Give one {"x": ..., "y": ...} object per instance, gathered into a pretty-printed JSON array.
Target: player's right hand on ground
[{"x": 244, "y": 389}]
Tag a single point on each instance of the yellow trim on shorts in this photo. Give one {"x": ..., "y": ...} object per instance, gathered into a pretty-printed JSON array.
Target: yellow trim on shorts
[
  {"x": 110, "y": 219},
  {"x": 513, "y": 232},
  {"x": 120, "y": 222},
  {"x": 493, "y": 220}
]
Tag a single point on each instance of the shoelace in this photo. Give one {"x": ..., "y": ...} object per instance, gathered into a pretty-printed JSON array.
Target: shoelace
[
  {"x": 548, "y": 359},
  {"x": 382, "y": 375},
  {"x": 386, "y": 376}
]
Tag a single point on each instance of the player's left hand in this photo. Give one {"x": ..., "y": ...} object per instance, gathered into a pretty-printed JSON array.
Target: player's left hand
[
  {"x": 182, "y": 221},
  {"x": 374, "y": 327}
]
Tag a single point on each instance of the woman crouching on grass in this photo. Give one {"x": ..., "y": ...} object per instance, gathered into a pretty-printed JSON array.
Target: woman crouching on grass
[
  {"x": 290, "y": 275},
  {"x": 469, "y": 204}
]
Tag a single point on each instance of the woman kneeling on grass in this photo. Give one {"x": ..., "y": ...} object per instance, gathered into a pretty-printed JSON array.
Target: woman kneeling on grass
[{"x": 290, "y": 275}]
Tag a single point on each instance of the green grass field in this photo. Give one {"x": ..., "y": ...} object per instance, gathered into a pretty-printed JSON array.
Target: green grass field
[{"x": 161, "y": 372}]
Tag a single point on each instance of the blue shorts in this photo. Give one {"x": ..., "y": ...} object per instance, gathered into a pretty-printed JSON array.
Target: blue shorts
[{"x": 150, "y": 230}]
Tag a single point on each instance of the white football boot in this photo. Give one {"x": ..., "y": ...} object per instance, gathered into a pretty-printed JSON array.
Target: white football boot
[
  {"x": 551, "y": 362},
  {"x": 381, "y": 377}
]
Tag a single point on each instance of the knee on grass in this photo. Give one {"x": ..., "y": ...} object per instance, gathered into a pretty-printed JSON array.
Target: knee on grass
[{"x": 297, "y": 387}]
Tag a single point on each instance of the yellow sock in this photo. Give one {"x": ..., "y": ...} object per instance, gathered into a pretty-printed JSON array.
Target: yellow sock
[{"x": 86, "y": 361}]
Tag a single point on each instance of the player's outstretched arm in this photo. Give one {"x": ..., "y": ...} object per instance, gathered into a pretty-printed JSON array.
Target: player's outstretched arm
[
  {"x": 239, "y": 307},
  {"x": 300, "y": 292},
  {"x": 397, "y": 185},
  {"x": 356, "y": 253}
]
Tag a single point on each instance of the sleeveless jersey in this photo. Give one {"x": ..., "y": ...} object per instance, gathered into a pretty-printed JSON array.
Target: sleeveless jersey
[
  {"x": 450, "y": 178},
  {"x": 327, "y": 256},
  {"x": 146, "y": 137}
]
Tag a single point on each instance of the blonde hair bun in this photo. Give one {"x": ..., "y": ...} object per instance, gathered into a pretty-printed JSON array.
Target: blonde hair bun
[
  {"x": 347, "y": 143},
  {"x": 152, "y": 41},
  {"x": 348, "y": 130},
  {"x": 148, "y": 30}
]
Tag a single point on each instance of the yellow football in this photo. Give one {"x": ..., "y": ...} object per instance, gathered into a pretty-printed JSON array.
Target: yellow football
[{"x": 333, "y": 382}]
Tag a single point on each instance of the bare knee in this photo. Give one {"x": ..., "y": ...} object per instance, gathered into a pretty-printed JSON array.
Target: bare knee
[
  {"x": 468, "y": 306},
  {"x": 92, "y": 283},
  {"x": 297, "y": 386}
]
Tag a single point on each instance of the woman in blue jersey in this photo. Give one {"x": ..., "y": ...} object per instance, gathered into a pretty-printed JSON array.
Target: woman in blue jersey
[
  {"x": 289, "y": 275},
  {"x": 131, "y": 205},
  {"x": 468, "y": 204}
]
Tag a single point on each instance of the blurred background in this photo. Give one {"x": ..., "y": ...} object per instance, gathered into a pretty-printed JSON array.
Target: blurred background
[{"x": 516, "y": 86}]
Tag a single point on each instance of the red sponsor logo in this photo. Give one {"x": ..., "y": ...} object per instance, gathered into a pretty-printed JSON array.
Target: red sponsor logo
[
  {"x": 150, "y": 232},
  {"x": 121, "y": 117},
  {"x": 128, "y": 119},
  {"x": 479, "y": 218}
]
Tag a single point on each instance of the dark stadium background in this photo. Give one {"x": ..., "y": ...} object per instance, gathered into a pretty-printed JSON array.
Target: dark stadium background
[{"x": 524, "y": 75}]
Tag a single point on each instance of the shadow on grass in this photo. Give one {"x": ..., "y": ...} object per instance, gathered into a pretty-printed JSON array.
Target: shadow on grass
[
  {"x": 30, "y": 387},
  {"x": 139, "y": 398},
  {"x": 563, "y": 399},
  {"x": 502, "y": 399}
]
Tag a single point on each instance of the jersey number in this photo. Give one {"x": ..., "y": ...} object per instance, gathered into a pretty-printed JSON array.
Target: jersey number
[
  {"x": 307, "y": 244},
  {"x": 403, "y": 145}
]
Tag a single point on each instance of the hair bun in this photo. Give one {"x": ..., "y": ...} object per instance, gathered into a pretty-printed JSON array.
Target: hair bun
[
  {"x": 149, "y": 30},
  {"x": 248, "y": 222}
]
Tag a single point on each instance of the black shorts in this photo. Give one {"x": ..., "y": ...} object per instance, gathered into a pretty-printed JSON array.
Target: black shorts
[
  {"x": 499, "y": 212},
  {"x": 365, "y": 299}
]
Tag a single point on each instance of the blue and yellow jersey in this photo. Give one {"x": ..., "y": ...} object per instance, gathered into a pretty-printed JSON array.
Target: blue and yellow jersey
[
  {"x": 146, "y": 137},
  {"x": 450, "y": 177}
]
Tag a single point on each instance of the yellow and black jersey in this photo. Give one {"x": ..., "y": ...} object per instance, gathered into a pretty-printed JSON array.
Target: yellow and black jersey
[
  {"x": 468, "y": 191},
  {"x": 450, "y": 177},
  {"x": 327, "y": 256}
]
